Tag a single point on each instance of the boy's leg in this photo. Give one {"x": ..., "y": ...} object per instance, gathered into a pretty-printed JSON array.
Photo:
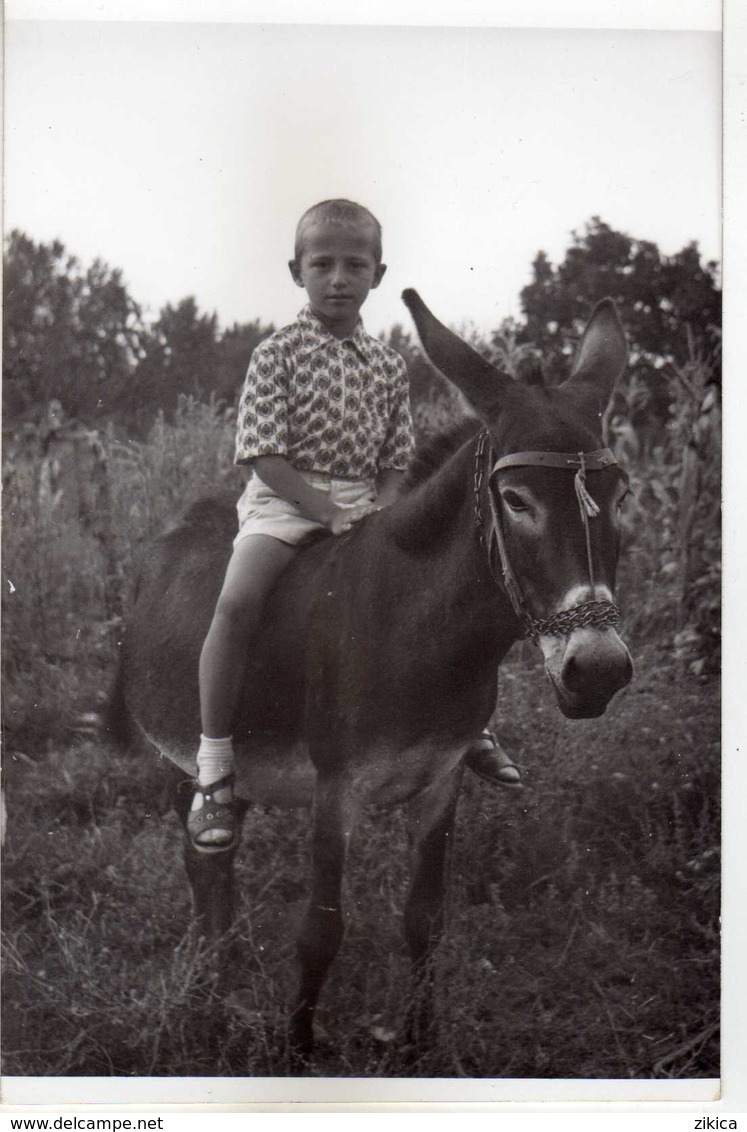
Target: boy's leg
[{"x": 256, "y": 562}]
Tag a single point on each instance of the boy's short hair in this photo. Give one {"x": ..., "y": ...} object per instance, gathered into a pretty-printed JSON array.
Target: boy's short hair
[{"x": 342, "y": 212}]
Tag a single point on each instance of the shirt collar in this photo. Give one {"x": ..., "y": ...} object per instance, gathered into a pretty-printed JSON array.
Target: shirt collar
[{"x": 360, "y": 339}]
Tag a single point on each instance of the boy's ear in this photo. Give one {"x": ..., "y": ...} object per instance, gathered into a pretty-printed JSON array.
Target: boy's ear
[
  {"x": 295, "y": 270},
  {"x": 379, "y": 274}
]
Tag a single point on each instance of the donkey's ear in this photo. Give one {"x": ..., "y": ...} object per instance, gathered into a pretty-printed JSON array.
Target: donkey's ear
[
  {"x": 600, "y": 359},
  {"x": 482, "y": 384}
]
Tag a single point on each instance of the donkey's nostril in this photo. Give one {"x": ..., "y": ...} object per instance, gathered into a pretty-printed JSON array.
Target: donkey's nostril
[
  {"x": 600, "y": 666},
  {"x": 571, "y": 674},
  {"x": 579, "y": 675}
]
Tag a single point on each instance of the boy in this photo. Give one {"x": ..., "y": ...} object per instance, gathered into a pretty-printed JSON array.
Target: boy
[{"x": 324, "y": 420}]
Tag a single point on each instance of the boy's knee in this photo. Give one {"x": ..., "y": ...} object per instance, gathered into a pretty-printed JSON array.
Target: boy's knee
[{"x": 240, "y": 611}]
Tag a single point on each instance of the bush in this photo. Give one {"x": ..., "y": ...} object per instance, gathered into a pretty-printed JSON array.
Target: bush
[
  {"x": 78, "y": 506},
  {"x": 671, "y": 555}
]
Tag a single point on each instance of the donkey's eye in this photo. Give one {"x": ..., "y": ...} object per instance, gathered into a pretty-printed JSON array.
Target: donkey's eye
[{"x": 513, "y": 501}]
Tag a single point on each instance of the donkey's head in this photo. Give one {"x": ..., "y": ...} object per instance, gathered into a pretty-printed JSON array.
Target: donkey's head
[{"x": 554, "y": 494}]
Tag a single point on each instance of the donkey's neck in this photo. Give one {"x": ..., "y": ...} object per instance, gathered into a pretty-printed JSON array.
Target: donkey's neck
[
  {"x": 435, "y": 526},
  {"x": 406, "y": 606},
  {"x": 430, "y": 515}
]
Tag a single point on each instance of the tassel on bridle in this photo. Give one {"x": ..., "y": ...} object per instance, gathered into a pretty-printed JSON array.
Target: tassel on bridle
[
  {"x": 585, "y": 501},
  {"x": 588, "y": 509}
]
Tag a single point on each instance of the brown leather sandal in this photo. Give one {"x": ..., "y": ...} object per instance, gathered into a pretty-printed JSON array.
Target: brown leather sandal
[
  {"x": 487, "y": 759},
  {"x": 214, "y": 815}
]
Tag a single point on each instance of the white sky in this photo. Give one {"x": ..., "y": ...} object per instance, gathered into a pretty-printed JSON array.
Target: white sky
[{"x": 184, "y": 153}]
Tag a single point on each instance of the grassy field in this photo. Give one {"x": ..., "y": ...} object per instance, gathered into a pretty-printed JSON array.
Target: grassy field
[{"x": 582, "y": 936}]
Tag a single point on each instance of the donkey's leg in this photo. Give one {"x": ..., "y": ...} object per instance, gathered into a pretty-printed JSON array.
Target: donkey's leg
[
  {"x": 322, "y": 929},
  {"x": 430, "y": 825},
  {"x": 210, "y": 875}
]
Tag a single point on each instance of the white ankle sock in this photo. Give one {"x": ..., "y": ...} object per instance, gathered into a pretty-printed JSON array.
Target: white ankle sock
[{"x": 215, "y": 758}]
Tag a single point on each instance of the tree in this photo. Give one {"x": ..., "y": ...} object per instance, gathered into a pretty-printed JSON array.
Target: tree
[
  {"x": 186, "y": 354},
  {"x": 670, "y": 306},
  {"x": 180, "y": 356},
  {"x": 70, "y": 334}
]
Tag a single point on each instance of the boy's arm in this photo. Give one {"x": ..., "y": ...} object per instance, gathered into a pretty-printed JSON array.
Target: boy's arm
[
  {"x": 262, "y": 417},
  {"x": 399, "y": 441},
  {"x": 286, "y": 482}
]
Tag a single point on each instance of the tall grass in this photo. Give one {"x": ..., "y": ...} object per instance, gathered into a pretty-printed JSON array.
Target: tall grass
[
  {"x": 582, "y": 932},
  {"x": 76, "y": 518}
]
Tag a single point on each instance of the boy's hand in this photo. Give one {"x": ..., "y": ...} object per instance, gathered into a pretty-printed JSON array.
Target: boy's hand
[{"x": 343, "y": 518}]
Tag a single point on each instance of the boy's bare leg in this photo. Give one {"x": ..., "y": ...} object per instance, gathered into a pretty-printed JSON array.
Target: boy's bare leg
[{"x": 254, "y": 567}]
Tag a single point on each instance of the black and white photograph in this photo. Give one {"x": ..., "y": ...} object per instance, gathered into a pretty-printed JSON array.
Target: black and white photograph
[{"x": 362, "y": 476}]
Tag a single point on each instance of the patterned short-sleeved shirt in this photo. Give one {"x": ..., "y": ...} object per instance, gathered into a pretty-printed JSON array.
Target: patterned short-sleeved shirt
[{"x": 327, "y": 405}]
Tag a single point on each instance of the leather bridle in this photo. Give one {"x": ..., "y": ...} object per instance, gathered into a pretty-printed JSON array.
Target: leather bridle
[{"x": 596, "y": 613}]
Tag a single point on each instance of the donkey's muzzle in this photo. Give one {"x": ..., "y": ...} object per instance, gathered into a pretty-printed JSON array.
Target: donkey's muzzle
[{"x": 586, "y": 669}]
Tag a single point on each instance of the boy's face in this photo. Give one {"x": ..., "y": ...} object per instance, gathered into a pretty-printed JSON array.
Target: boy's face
[{"x": 337, "y": 269}]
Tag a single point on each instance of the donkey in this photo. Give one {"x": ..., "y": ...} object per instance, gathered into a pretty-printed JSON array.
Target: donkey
[{"x": 376, "y": 665}]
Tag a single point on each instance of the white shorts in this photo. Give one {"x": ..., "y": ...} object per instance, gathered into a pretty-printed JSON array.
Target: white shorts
[{"x": 262, "y": 512}]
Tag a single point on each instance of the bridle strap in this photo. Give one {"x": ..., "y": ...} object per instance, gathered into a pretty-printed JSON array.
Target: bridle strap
[
  {"x": 510, "y": 581},
  {"x": 587, "y": 613},
  {"x": 570, "y": 461}
]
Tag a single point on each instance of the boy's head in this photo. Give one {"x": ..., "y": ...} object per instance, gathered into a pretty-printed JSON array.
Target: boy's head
[
  {"x": 337, "y": 261},
  {"x": 343, "y": 214}
]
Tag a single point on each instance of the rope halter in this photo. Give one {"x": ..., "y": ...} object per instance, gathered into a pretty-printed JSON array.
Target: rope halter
[{"x": 596, "y": 613}]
